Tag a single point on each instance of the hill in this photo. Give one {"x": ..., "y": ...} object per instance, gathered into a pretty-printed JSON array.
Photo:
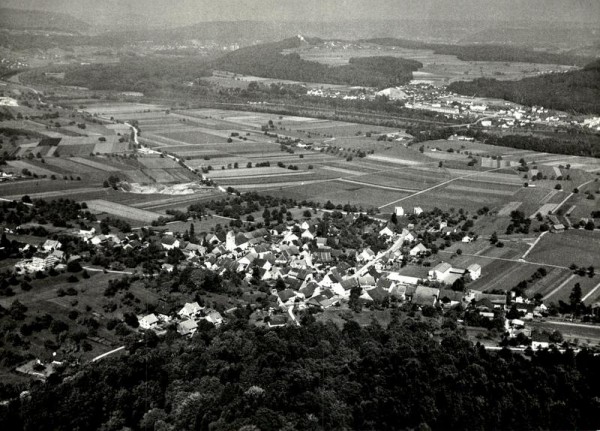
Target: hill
[
  {"x": 267, "y": 61},
  {"x": 577, "y": 91},
  {"x": 40, "y": 20}
]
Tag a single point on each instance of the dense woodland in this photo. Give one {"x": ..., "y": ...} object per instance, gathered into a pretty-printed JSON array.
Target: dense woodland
[
  {"x": 267, "y": 61},
  {"x": 145, "y": 75},
  {"x": 317, "y": 377},
  {"x": 487, "y": 52},
  {"x": 577, "y": 91}
]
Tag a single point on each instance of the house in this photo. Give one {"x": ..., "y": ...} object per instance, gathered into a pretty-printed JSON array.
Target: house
[
  {"x": 417, "y": 250},
  {"x": 366, "y": 255},
  {"x": 399, "y": 211},
  {"x": 540, "y": 340},
  {"x": 307, "y": 234},
  {"x": 214, "y": 317},
  {"x": 418, "y": 210},
  {"x": 408, "y": 235},
  {"x": 425, "y": 296},
  {"x": 167, "y": 267},
  {"x": 467, "y": 239},
  {"x": 169, "y": 242},
  {"x": 148, "y": 322},
  {"x": 474, "y": 271},
  {"x": 190, "y": 309},
  {"x": 440, "y": 271},
  {"x": 450, "y": 298},
  {"x": 187, "y": 327},
  {"x": 51, "y": 245},
  {"x": 386, "y": 231},
  {"x": 277, "y": 321}
]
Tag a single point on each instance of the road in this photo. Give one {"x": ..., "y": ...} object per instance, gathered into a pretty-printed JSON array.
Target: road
[
  {"x": 88, "y": 268},
  {"x": 104, "y": 355},
  {"x": 534, "y": 244},
  {"x": 569, "y": 196},
  {"x": 395, "y": 246}
]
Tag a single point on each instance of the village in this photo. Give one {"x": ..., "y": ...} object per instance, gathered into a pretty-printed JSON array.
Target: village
[{"x": 303, "y": 270}]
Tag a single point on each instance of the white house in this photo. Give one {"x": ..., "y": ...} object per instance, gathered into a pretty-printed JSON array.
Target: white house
[
  {"x": 467, "y": 239},
  {"x": 418, "y": 210},
  {"x": 190, "y": 309},
  {"x": 440, "y": 271},
  {"x": 474, "y": 271},
  {"x": 399, "y": 211},
  {"x": 148, "y": 322},
  {"x": 51, "y": 245},
  {"x": 386, "y": 231},
  {"x": 215, "y": 318},
  {"x": 187, "y": 327},
  {"x": 417, "y": 250}
]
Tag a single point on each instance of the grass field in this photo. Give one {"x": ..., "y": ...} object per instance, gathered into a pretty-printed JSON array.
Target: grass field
[
  {"x": 581, "y": 247},
  {"x": 120, "y": 210}
]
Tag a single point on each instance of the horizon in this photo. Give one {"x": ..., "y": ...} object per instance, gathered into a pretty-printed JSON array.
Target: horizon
[{"x": 161, "y": 13}]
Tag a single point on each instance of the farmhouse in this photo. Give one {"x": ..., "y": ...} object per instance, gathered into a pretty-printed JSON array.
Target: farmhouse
[
  {"x": 399, "y": 211},
  {"x": 418, "y": 250}
]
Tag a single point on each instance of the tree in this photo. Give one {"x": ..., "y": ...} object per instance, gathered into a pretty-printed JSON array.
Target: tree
[
  {"x": 394, "y": 218},
  {"x": 354, "y": 301},
  {"x": 575, "y": 298},
  {"x": 494, "y": 238}
]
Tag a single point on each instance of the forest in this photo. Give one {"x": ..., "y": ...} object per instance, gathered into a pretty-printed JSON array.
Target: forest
[
  {"x": 576, "y": 91},
  {"x": 145, "y": 75},
  {"x": 487, "y": 52},
  {"x": 267, "y": 61},
  {"x": 316, "y": 377}
]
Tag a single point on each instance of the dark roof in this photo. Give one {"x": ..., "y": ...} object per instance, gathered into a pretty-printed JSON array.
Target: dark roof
[
  {"x": 378, "y": 294},
  {"x": 286, "y": 294}
]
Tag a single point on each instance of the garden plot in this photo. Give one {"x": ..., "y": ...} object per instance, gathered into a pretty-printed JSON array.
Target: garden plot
[{"x": 76, "y": 150}]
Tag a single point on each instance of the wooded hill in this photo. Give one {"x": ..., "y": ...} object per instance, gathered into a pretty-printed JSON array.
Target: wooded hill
[
  {"x": 577, "y": 91},
  {"x": 267, "y": 61},
  {"x": 316, "y": 377}
]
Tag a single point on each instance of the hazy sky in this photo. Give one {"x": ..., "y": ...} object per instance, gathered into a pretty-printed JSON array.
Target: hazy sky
[{"x": 182, "y": 12}]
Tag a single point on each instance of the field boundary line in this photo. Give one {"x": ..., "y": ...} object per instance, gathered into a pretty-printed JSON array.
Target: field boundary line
[{"x": 563, "y": 284}]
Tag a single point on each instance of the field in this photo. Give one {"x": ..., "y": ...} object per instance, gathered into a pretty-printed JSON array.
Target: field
[
  {"x": 100, "y": 206},
  {"x": 437, "y": 69},
  {"x": 573, "y": 246}
]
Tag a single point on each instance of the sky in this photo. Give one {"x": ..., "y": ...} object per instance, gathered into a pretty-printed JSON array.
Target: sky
[{"x": 185, "y": 12}]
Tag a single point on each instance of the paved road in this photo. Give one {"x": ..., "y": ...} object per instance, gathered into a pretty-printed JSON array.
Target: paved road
[{"x": 591, "y": 292}]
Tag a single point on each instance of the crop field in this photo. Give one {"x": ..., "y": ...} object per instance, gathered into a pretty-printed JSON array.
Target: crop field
[
  {"x": 120, "y": 210},
  {"x": 572, "y": 246},
  {"x": 152, "y": 162},
  {"x": 118, "y": 110},
  {"x": 19, "y": 165},
  {"x": 196, "y": 137},
  {"x": 94, "y": 164}
]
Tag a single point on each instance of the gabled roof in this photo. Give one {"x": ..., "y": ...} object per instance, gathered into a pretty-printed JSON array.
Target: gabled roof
[
  {"x": 425, "y": 295},
  {"x": 378, "y": 294},
  {"x": 349, "y": 283},
  {"x": 286, "y": 294},
  {"x": 442, "y": 267}
]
